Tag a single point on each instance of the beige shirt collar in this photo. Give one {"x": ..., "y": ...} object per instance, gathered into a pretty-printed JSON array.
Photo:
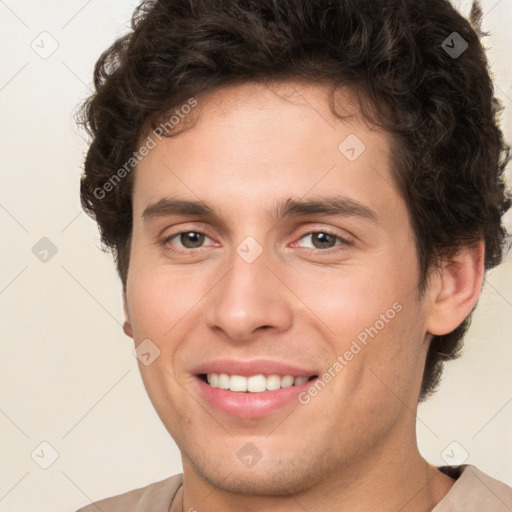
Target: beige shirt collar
[{"x": 474, "y": 491}]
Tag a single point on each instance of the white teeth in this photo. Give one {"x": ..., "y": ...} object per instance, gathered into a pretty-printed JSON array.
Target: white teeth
[
  {"x": 287, "y": 381},
  {"x": 273, "y": 382},
  {"x": 223, "y": 382},
  {"x": 237, "y": 383},
  {"x": 254, "y": 383}
]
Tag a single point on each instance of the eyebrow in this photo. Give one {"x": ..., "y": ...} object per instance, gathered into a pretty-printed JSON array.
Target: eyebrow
[{"x": 336, "y": 206}]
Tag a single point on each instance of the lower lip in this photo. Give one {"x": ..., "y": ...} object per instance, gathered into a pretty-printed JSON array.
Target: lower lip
[{"x": 250, "y": 405}]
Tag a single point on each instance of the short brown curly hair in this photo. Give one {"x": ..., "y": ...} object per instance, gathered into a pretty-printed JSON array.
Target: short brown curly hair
[{"x": 440, "y": 109}]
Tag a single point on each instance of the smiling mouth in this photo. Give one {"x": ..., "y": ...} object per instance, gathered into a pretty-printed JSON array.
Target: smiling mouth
[{"x": 254, "y": 383}]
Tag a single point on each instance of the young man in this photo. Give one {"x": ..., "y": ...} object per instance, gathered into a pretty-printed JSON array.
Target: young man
[{"x": 302, "y": 198}]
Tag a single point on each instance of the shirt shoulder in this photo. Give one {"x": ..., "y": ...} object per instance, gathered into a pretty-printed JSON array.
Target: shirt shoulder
[
  {"x": 475, "y": 491},
  {"x": 156, "y": 497}
]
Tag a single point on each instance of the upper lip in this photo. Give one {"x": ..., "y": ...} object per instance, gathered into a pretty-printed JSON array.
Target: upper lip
[{"x": 250, "y": 367}]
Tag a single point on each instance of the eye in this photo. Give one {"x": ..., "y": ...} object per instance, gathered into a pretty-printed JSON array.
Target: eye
[
  {"x": 187, "y": 239},
  {"x": 322, "y": 240}
]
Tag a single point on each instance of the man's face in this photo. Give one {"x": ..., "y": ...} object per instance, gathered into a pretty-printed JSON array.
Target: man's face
[{"x": 307, "y": 289}]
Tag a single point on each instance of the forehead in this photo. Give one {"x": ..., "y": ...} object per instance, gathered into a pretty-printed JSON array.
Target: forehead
[{"x": 259, "y": 143}]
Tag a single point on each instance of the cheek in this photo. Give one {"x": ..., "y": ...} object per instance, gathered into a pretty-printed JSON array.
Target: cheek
[
  {"x": 389, "y": 373},
  {"x": 160, "y": 298},
  {"x": 353, "y": 300},
  {"x": 379, "y": 379},
  {"x": 373, "y": 322}
]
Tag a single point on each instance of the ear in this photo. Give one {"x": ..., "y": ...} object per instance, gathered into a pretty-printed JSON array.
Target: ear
[
  {"x": 127, "y": 326},
  {"x": 454, "y": 290}
]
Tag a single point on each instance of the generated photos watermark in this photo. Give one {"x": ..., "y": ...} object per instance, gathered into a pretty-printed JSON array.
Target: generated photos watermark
[
  {"x": 357, "y": 345},
  {"x": 145, "y": 148}
]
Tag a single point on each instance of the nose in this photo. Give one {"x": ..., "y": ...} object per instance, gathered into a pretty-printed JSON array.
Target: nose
[{"x": 248, "y": 300}]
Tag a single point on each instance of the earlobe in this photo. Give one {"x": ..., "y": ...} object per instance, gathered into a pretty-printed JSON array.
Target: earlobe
[
  {"x": 455, "y": 290},
  {"x": 127, "y": 326}
]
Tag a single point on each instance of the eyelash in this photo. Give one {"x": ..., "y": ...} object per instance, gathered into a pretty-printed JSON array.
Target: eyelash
[{"x": 344, "y": 243}]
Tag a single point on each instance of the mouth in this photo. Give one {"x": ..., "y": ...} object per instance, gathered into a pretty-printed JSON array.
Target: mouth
[
  {"x": 251, "y": 389},
  {"x": 244, "y": 396},
  {"x": 258, "y": 383}
]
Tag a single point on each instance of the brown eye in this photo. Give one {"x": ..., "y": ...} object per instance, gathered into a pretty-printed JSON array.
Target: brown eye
[
  {"x": 191, "y": 239},
  {"x": 323, "y": 240},
  {"x": 320, "y": 240},
  {"x": 185, "y": 240}
]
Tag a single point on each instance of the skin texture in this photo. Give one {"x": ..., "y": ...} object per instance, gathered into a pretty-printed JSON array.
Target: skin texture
[{"x": 353, "y": 447}]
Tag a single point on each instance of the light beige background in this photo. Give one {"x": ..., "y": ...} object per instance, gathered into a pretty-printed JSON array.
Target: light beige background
[{"x": 68, "y": 374}]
